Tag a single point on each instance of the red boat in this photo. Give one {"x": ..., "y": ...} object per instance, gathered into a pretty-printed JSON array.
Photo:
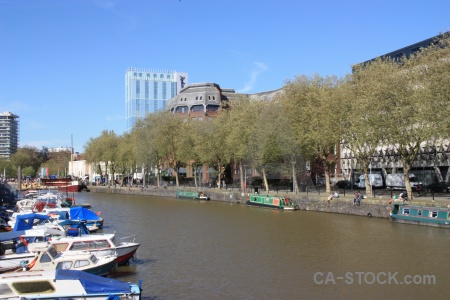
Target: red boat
[
  {"x": 63, "y": 184},
  {"x": 55, "y": 181},
  {"x": 71, "y": 186}
]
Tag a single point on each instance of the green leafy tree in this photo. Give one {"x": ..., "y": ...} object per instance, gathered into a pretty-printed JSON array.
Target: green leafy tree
[
  {"x": 209, "y": 144},
  {"x": 27, "y": 157},
  {"x": 242, "y": 114},
  {"x": 365, "y": 106},
  {"x": 7, "y": 168},
  {"x": 126, "y": 153},
  {"x": 312, "y": 105}
]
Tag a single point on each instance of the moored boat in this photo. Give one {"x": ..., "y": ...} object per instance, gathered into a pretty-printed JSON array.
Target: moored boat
[
  {"x": 65, "y": 284},
  {"x": 192, "y": 195},
  {"x": 47, "y": 258},
  {"x": 275, "y": 202},
  {"x": 98, "y": 244},
  {"x": 73, "y": 186},
  {"x": 55, "y": 182},
  {"x": 420, "y": 215},
  {"x": 14, "y": 245}
]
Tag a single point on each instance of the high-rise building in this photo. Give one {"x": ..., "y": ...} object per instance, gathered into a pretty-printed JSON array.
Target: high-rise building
[
  {"x": 147, "y": 91},
  {"x": 9, "y": 134}
]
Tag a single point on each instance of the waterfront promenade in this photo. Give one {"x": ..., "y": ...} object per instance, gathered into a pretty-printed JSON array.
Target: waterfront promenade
[{"x": 312, "y": 201}]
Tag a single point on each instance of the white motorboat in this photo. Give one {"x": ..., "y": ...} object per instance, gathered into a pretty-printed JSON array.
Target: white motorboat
[
  {"x": 99, "y": 244},
  {"x": 14, "y": 245},
  {"x": 47, "y": 258},
  {"x": 65, "y": 284}
]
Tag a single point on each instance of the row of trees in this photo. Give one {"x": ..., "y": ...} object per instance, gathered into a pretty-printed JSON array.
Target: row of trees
[
  {"x": 31, "y": 160},
  {"x": 403, "y": 103}
]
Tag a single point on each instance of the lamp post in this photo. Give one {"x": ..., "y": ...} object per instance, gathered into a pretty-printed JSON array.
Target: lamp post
[
  {"x": 245, "y": 178},
  {"x": 370, "y": 176},
  {"x": 293, "y": 177}
]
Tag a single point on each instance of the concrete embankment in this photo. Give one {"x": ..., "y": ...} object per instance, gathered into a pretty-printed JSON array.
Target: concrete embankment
[{"x": 371, "y": 208}]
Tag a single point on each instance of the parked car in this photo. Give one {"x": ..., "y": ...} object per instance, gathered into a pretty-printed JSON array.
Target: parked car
[
  {"x": 440, "y": 187},
  {"x": 345, "y": 184}
]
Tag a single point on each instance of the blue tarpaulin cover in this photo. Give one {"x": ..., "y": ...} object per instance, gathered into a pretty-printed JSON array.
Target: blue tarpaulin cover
[
  {"x": 75, "y": 224},
  {"x": 94, "y": 283},
  {"x": 83, "y": 214},
  {"x": 27, "y": 221}
]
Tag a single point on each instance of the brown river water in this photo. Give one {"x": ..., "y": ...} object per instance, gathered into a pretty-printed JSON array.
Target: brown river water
[{"x": 194, "y": 249}]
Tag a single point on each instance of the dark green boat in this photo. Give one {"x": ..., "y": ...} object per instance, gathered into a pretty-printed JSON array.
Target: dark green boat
[
  {"x": 420, "y": 215},
  {"x": 192, "y": 195},
  {"x": 275, "y": 202}
]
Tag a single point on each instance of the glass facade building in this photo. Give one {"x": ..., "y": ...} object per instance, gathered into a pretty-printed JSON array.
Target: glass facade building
[
  {"x": 147, "y": 91},
  {"x": 9, "y": 134}
]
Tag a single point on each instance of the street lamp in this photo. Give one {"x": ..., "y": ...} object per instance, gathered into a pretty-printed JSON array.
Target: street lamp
[
  {"x": 370, "y": 176},
  {"x": 245, "y": 178},
  {"x": 293, "y": 177}
]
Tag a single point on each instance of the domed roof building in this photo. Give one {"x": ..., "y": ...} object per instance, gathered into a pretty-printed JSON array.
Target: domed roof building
[{"x": 203, "y": 101}]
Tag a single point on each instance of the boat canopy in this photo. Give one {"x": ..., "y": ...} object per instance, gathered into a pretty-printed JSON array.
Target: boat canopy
[
  {"x": 81, "y": 214},
  {"x": 27, "y": 221},
  {"x": 71, "y": 225},
  {"x": 93, "y": 283}
]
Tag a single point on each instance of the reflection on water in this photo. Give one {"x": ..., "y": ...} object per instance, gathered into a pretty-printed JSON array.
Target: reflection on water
[{"x": 211, "y": 250}]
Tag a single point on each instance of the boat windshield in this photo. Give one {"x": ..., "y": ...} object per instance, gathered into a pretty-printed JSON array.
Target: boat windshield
[{"x": 52, "y": 251}]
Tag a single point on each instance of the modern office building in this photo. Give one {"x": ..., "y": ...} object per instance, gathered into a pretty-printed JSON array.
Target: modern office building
[
  {"x": 9, "y": 134},
  {"x": 147, "y": 91}
]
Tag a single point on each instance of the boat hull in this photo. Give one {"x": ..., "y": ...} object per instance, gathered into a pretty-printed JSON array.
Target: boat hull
[
  {"x": 66, "y": 284},
  {"x": 104, "y": 269},
  {"x": 192, "y": 195},
  {"x": 271, "y": 206},
  {"x": 126, "y": 252},
  {"x": 70, "y": 188},
  {"x": 55, "y": 182},
  {"x": 419, "y": 221},
  {"x": 273, "y": 202}
]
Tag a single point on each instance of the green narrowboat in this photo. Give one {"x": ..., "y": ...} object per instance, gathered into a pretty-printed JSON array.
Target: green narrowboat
[
  {"x": 275, "y": 202},
  {"x": 420, "y": 215},
  {"x": 192, "y": 195}
]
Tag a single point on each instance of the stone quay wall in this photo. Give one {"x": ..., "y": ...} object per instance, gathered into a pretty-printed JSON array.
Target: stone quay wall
[{"x": 368, "y": 208}]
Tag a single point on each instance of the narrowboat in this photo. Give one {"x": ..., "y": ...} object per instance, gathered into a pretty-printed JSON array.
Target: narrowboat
[
  {"x": 274, "y": 202},
  {"x": 192, "y": 195},
  {"x": 420, "y": 215}
]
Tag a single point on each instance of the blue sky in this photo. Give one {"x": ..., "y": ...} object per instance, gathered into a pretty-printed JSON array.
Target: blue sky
[{"x": 62, "y": 62}]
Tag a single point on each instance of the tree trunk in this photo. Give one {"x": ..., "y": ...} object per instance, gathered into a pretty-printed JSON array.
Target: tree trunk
[{"x": 266, "y": 184}]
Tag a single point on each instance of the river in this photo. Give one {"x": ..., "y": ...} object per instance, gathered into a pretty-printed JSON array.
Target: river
[{"x": 194, "y": 249}]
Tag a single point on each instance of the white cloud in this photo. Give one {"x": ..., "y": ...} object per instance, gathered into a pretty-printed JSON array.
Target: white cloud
[{"x": 258, "y": 68}]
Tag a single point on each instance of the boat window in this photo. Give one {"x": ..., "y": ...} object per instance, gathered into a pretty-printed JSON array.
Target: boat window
[
  {"x": 98, "y": 244},
  {"x": 419, "y": 212},
  {"x": 61, "y": 247},
  {"x": 433, "y": 214},
  {"x": 80, "y": 246},
  {"x": 406, "y": 211},
  {"x": 52, "y": 252},
  {"x": 45, "y": 258},
  {"x": 65, "y": 265},
  {"x": 94, "y": 258},
  {"x": 4, "y": 289},
  {"x": 81, "y": 263},
  {"x": 33, "y": 287}
]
